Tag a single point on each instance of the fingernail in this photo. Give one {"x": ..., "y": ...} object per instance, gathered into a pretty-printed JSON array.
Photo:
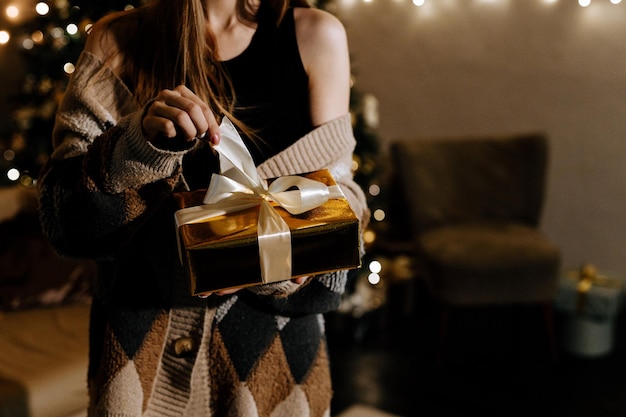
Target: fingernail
[
  {"x": 202, "y": 136},
  {"x": 215, "y": 138}
]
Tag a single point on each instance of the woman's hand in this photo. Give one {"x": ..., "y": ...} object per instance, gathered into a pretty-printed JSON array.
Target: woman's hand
[
  {"x": 221, "y": 292},
  {"x": 180, "y": 114},
  {"x": 298, "y": 281}
]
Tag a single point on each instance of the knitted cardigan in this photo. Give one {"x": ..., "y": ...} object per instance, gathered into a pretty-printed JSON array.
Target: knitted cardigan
[{"x": 106, "y": 194}]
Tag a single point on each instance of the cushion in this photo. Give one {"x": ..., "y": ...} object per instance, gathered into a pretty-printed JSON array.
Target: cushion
[{"x": 516, "y": 262}]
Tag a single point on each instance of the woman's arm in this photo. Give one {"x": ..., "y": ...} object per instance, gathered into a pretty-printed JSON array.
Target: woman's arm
[
  {"x": 103, "y": 178},
  {"x": 324, "y": 51}
]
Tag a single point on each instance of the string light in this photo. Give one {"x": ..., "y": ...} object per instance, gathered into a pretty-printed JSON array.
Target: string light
[
  {"x": 582, "y": 3},
  {"x": 369, "y": 236},
  {"x": 12, "y": 12},
  {"x": 373, "y": 278},
  {"x": 375, "y": 268},
  {"x": 8, "y": 155},
  {"x": 42, "y": 8},
  {"x": 13, "y": 174},
  {"x": 71, "y": 29},
  {"x": 68, "y": 68},
  {"x": 37, "y": 36},
  {"x": 379, "y": 215}
]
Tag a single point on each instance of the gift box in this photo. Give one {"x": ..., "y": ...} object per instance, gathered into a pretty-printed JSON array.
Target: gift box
[
  {"x": 589, "y": 302},
  {"x": 244, "y": 230},
  {"x": 223, "y": 252},
  {"x": 585, "y": 292}
]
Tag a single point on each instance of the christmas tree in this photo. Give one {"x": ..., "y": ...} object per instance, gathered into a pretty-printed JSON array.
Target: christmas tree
[{"x": 47, "y": 41}]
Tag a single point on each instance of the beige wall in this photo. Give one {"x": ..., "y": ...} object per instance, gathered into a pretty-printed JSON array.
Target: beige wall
[{"x": 467, "y": 67}]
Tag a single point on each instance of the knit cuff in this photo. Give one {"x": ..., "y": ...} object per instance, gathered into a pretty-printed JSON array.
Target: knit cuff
[
  {"x": 136, "y": 161},
  {"x": 316, "y": 150},
  {"x": 276, "y": 289}
]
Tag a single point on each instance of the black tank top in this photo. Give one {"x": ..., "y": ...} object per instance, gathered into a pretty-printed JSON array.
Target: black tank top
[{"x": 271, "y": 87}]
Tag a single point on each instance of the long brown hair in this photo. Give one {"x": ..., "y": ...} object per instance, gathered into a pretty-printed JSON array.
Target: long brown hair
[{"x": 174, "y": 46}]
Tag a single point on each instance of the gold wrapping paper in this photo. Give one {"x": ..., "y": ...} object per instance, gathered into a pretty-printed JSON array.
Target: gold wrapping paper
[{"x": 222, "y": 252}]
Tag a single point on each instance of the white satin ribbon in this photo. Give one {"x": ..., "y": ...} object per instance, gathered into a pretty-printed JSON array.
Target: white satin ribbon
[{"x": 239, "y": 186}]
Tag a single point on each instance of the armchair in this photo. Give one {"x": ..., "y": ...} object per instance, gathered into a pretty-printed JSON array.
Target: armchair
[{"x": 473, "y": 206}]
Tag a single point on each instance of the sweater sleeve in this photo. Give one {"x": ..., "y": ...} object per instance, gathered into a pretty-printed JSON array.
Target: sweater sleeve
[
  {"x": 103, "y": 178},
  {"x": 330, "y": 146}
]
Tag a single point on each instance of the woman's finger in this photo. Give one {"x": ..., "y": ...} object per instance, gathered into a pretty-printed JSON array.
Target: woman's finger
[
  {"x": 179, "y": 113},
  {"x": 220, "y": 292},
  {"x": 299, "y": 280},
  {"x": 168, "y": 119},
  {"x": 200, "y": 111}
]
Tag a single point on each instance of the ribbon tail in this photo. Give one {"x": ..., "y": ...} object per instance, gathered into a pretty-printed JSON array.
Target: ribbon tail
[
  {"x": 274, "y": 239},
  {"x": 307, "y": 194},
  {"x": 235, "y": 159},
  {"x": 196, "y": 214},
  {"x": 334, "y": 191},
  {"x": 191, "y": 215}
]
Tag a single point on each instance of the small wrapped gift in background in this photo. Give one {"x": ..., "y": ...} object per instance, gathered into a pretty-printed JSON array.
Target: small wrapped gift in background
[
  {"x": 245, "y": 231},
  {"x": 590, "y": 302},
  {"x": 586, "y": 292}
]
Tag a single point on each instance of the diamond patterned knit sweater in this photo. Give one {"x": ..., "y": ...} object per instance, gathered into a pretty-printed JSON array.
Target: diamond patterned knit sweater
[{"x": 105, "y": 194}]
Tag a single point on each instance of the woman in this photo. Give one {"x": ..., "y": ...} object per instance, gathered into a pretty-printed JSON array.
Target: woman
[{"x": 136, "y": 124}]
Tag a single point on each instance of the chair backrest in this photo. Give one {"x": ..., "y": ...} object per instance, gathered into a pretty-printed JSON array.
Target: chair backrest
[{"x": 473, "y": 179}]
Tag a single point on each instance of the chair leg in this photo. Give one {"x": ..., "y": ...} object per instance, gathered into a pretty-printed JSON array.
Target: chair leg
[
  {"x": 444, "y": 321},
  {"x": 548, "y": 316}
]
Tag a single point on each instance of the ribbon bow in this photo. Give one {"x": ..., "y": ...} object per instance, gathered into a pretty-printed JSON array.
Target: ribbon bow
[{"x": 239, "y": 187}]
